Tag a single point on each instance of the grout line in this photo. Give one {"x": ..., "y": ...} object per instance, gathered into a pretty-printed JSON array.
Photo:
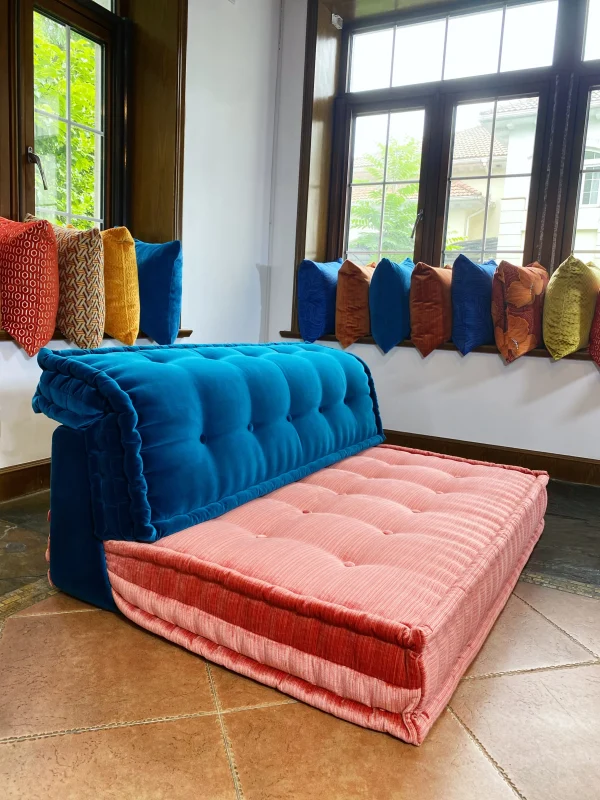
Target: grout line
[
  {"x": 132, "y": 723},
  {"x": 562, "y": 630},
  {"x": 20, "y": 615},
  {"x": 530, "y": 670},
  {"x": 274, "y": 704},
  {"x": 500, "y": 769},
  {"x": 226, "y": 741}
]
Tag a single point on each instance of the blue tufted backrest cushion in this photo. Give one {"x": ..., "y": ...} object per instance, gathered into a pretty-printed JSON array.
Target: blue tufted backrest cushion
[{"x": 179, "y": 434}]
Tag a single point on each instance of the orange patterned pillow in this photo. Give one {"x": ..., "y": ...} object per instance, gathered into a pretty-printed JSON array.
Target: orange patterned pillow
[
  {"x": 517, "y": 304},
  {"x": 352, "y": 319},
  {"x": 430, "y": 307},
  {"x": 81, "y": 311},
  {"x": 28, "y": 282}
]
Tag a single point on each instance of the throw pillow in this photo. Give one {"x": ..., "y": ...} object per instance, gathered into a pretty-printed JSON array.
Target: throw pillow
[
  {"x": 569, "y": 306},
  {"x": 317, "y": 284},
  {"x": 430, "y": 307},
  {"x": 595, "y": 333},
  {"x": 121, "y": 285},
  {"x": 28, "y": 282},
  {"x": 517, "y": 303},
  {"x": 472, "y": 323},
  {"x": 352, "y": 302},
  {"x": 389, "y": 302},
  {"x": 81, "y": 308},
  {"x": 160, "y": 276}
]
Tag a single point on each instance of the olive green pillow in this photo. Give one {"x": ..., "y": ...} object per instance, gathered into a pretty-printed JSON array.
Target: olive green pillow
[{"x": 569, "y": 306}]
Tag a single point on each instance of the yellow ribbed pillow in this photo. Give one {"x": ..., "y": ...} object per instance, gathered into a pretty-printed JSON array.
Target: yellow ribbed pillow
[
  {"x": 121, "y": 285},
  {"x": 569, "y": 306}
]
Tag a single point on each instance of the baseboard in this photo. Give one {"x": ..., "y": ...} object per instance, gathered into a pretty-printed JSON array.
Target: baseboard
[
  {"x": 563, "y": 468},
  {"x": 24, "y": 479}
]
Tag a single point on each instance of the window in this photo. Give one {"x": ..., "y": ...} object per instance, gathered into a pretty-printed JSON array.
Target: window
[
  {"x": 68, "y": 73},
  {"x": 489, "y": 179},
  {"x": 592, "y": 36},
  {"x": 383, "y": 192},
  {"x": 73, "y": 101},
  {"x": 456, "y": 46},
  {"x": 587, "y": 225}
]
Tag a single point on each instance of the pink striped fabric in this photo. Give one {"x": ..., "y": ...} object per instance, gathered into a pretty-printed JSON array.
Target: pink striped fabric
[{"x": 366, "y": 589}]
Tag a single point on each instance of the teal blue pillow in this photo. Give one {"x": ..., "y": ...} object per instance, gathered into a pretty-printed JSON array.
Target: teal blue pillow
[
  {"x": 160, "y": 276},
  {"x": 472, "y": 323},
  {"x": 389, "y": 302}
]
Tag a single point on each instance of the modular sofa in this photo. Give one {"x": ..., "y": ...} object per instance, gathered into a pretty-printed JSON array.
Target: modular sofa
[{"x": 239, "y": 500}]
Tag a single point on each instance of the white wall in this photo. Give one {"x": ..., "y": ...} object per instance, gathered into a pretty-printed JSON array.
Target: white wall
[
  {"x": 532, "y": 404},
  {"x": 230, "y": 107}
]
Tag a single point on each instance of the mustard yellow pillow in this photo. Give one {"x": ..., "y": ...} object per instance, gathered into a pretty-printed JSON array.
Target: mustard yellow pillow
[
  {"x": 569, "y": 306},
  {"x": 121, "y": 285}
]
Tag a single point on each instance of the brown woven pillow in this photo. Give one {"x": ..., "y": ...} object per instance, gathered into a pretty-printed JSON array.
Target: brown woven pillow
[
  {"x": 430, "y": 307},
  {"x": 517, "y": 303},
  {"x": 81, "y": 314},
  {"x": 352, "y": 318}
]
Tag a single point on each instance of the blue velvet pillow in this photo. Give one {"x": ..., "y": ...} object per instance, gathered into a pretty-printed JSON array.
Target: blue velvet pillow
[
  {"x": 160, "y": 276},
  {"x": 389, "y": 304},
  {"x": 472, "y": 323},
  {"x": 317, "y": 285}
]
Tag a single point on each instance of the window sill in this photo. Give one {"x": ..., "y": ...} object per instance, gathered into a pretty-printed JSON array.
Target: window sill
[
  {"x": 540, "y": 352},
  {"x": 184, "y": 333}
]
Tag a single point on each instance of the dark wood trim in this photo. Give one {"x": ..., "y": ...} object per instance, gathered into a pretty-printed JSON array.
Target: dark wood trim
[
  {"x": 24, "y": 479},
  {"x": 580, "y": 355},
  {"x": 9, "y": 70},
  {"x": 182, "y": 35},
  {"x": 560, "y": 467},
  {"x": 184, "y": 333}
]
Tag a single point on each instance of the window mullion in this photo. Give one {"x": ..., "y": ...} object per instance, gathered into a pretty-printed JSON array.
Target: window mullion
[
  {"x": 385, "y": 169},
  {"x": 489, "y": 180}
]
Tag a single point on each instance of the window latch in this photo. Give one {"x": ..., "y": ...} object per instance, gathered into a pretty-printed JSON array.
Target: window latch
[
  {"x": 33, "y": 158},
  {"x": 418, "y": 220}
]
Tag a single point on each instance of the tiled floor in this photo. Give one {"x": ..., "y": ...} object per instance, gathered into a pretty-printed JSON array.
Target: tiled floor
[{"x": 93, "y": 707}]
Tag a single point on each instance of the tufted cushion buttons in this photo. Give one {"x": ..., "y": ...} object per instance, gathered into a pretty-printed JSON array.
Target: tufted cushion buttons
[
  {"x": 203, "y": 438},
  {"x": 289, "y": 417},
  {"x": 349, "y": 564},
  {"x": 261, "y": 535},
  {"x": 321, "y": 409},
  {"x": 250, "y": 427},
  {"x": 388, "y": 533},
  {"x": 305, "y": 511}
]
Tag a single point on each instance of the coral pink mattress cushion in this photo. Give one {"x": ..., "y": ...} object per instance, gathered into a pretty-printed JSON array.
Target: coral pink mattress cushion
[{"x": 372, "y": 578}]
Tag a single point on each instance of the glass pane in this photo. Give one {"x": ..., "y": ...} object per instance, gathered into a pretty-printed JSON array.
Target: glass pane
[
  {"x": 86, "y": 166},
  {"x": 50, "y": 143},
  {"x": 365, "y": 218},
  {"x": 419, "y": 44},
  {"x": 514, "y": 136},
  {"x": 473, "y": 140},
  {"x": 371, "y": 60},
  {"x": 84, "y": 224},
  {"x": 473, "y": 45},
  {"x": 450, "y": 256},
  {"x": 587, "y": 233},
  {"x": 507, "y": 214},
  {"x": 400, "y": 212},
  {"x": 592, "y": 37},
  {"x": 398, "y": 258},
  {"x": 592, "y": 139},
  {"x": 364, "y": 259},
  {"x": 108, "y": 4},
  {"x": 86, "y": 82},
  {"x": 49, "y": 65},
  {"x": 514, "y": 258},
  {"x": 405, "y": 145},
  {"x": 370, "y": 134},
  {"x": 518, "y": 50},
  {"x": 466, "y": 215}
]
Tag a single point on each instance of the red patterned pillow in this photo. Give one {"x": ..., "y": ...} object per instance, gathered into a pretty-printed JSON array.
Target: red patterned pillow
[
  {"x": 595, "y": 334},
  {"x": 28, "y": 282}
]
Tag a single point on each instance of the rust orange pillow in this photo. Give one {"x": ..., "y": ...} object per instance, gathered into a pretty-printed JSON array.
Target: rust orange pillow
[
  {"x": 430, "y": 307},
  {"x": 352, "y": 319},
  {"x": 517, "y": 304},
  {"x": 28, "y": 282},
  {"x": 595, "y": 333}
]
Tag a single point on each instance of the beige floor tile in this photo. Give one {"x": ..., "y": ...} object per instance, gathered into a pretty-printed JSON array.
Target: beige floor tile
[
  {"x": 293, "y": 752},
  {"x": 235, "y": 691},
  {"x": 166, "y": 761},
  {"x": 543, "y": 728},
  {"x": 64, "y": 671},
  {"x": 522, "y": 639},
  {"x": 577, "y": 615},
  {"x": 57, "y": 604}
]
